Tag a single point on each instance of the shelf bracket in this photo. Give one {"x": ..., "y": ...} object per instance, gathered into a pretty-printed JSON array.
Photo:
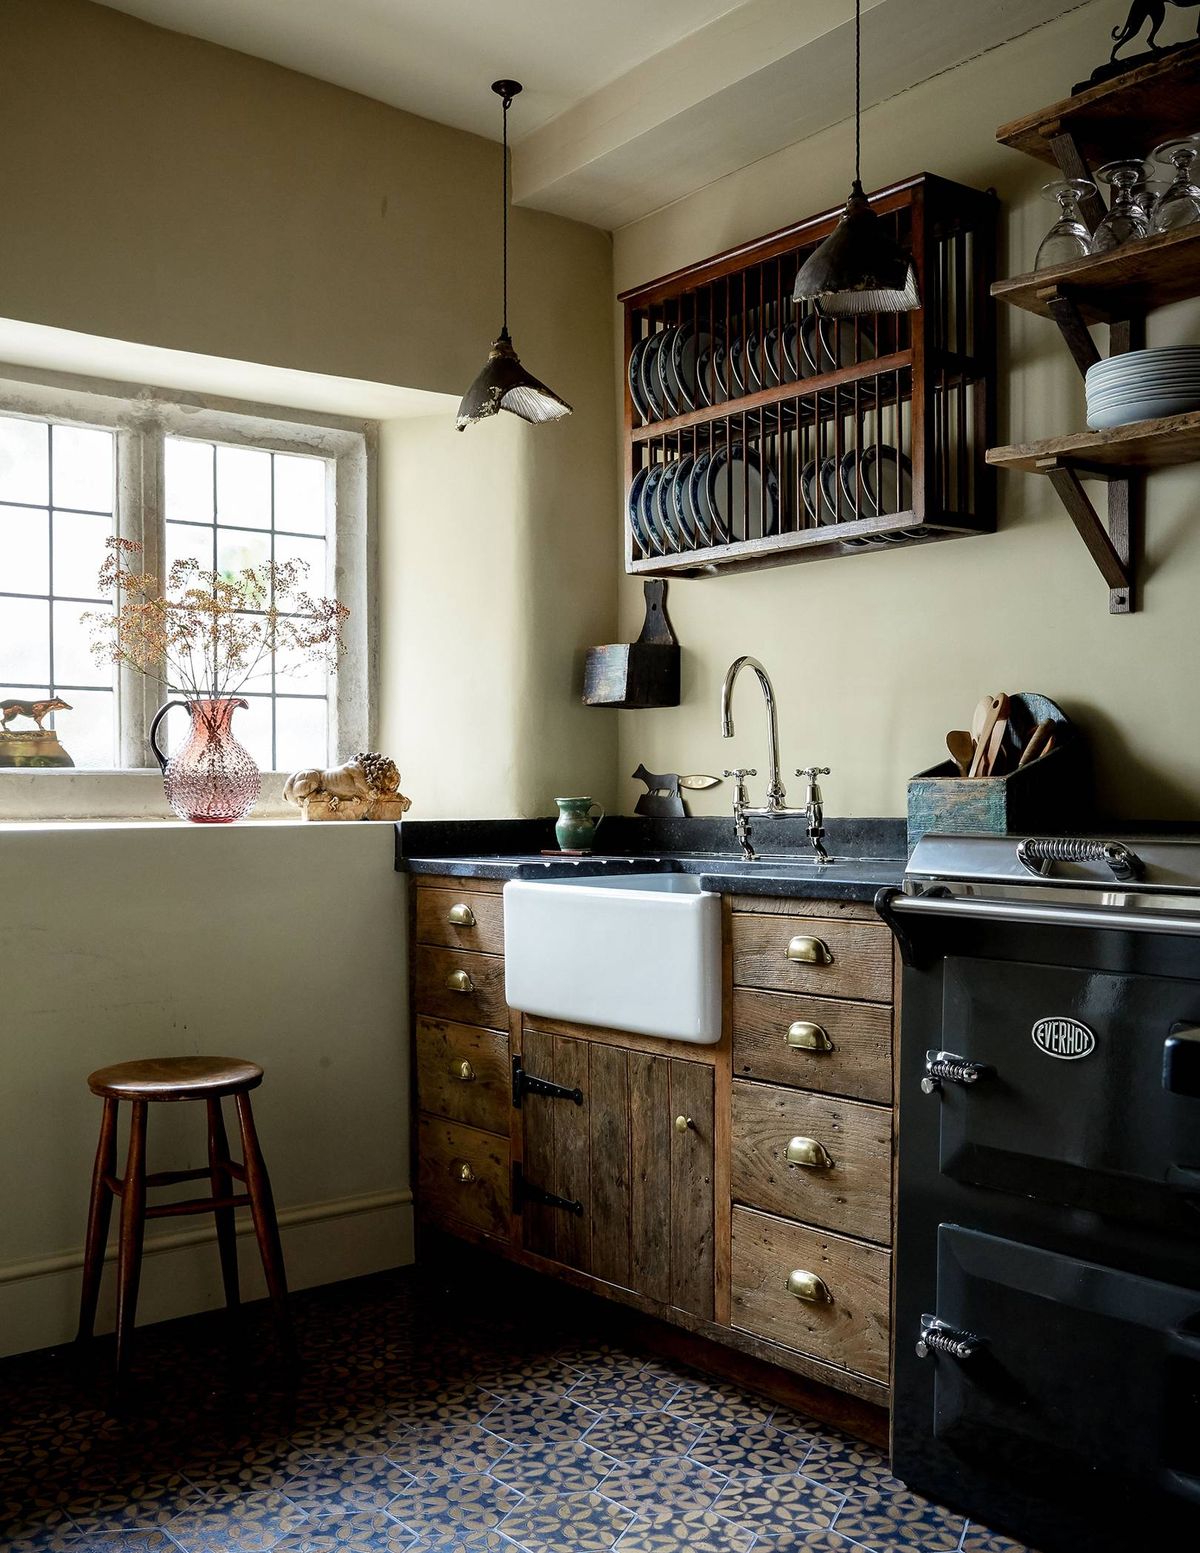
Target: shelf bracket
[
  {"x": 1064, "y": 310},
  {"x": 1109, "y": 547},
  {"x": 1073, "y": 164}
]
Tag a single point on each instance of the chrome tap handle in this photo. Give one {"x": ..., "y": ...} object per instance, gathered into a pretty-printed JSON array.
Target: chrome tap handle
[
  {"x": 814, "y": 804},
  {"x": 741, "y": 802},
  {"x": 738, "y": 776}
]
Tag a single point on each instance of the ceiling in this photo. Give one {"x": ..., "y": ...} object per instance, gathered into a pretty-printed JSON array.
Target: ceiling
[
  {"x": 437, "y": 58},
  {"x": 628, "y": 104}
]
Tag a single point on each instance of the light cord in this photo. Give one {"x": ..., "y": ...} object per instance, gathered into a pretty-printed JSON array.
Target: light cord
[
  {"x": 507, "y": 101},
  {"x": 857, "y": 91}
]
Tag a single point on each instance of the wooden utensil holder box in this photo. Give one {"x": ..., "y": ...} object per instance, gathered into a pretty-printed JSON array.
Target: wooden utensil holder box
[{"x": 1051, "y": 795}]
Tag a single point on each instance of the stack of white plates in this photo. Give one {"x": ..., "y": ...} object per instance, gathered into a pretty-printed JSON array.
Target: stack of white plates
[{"x": 1143, "y": 385}]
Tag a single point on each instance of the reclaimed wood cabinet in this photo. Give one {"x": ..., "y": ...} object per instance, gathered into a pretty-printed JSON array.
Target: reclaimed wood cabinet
[{"x": 742, "y": 1191}]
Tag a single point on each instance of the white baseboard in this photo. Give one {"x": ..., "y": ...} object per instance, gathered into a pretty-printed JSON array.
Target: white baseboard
[{"x": 322, "y": 1243}]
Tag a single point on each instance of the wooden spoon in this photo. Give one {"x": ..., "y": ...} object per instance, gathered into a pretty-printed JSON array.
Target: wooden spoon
[
  {"x": 962, "y": 747},
  {"x": 1038, "y": 743},
  {"x": 995, "y": 707}
]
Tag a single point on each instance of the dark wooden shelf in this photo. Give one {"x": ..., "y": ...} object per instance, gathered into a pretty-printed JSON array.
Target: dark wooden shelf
[
  {"x": 1175, "y": 439},
  {"x": 1125, "y": 116},
  {"x": 1128, "y": 281}
]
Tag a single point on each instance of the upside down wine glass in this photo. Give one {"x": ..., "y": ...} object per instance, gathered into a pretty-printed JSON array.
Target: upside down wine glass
[
  {"x": 1126, "y": 219},
  {"x": 1068, "y": 239},
  {"x": 1180, "y": 205}
]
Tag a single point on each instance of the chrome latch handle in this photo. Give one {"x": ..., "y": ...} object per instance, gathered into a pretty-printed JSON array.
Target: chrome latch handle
[
  {"x": 939, "y": 1337},
  {"x": 948, "y": 1068},
  {"x": 1040, "y": 853}
]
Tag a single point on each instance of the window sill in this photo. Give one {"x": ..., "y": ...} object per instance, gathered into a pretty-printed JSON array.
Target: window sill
[{"x": 54, "y": 797}]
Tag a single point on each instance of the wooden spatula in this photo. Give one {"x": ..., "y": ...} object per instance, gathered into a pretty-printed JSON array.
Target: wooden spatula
[
  {"x": 962, "y": 747},
  {"x": 1040, "y": 740}
]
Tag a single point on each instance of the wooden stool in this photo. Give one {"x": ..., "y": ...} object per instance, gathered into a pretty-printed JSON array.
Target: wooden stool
[{"x": 176, "y": 1078}]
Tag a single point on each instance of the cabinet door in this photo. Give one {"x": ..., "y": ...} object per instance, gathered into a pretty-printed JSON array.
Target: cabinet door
[
  {"x": 557, "y": 1150},
  {"x": 692, "y": 1187}
]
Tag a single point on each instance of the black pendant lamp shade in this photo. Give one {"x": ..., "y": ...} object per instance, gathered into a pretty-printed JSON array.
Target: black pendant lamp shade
[
  {"x": 504, "y": 384},
  {"x": 859, "y": 268}
]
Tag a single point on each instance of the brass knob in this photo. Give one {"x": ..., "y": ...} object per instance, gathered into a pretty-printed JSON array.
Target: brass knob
[
  {"x": 684, "y": 1124},
  {"x": 809, "y": 951},
  {"x": 809, "y": 1287},
  {"x": 461, "y": 1170},
  {"x": 808, "y": 1152},
  {"x": 461, "y": 915},
  {"x": 805, "y": 1036},
  {"x": 459, "y": 981},
  {"x": 465, "y": 1072}
]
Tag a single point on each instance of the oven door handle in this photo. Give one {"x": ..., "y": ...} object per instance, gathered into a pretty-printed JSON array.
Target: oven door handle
[{"x": 974, "y": 909}]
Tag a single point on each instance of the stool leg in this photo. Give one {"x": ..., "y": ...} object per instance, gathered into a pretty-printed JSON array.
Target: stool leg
[
  {"x": 133, "y": 1224},
  {"x": 222, "y": 1186},
  {"x": 262, "y": 1209},
  {"x": 99, "y": 1213}
]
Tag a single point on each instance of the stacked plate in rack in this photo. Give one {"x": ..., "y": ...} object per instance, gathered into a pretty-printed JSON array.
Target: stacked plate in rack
[{"x": 1143, "y": 386}]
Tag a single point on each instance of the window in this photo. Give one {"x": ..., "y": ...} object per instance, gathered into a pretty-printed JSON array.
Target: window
[
  {"x": 225, "y": 486},
  {"x": 57, "y": 510}
]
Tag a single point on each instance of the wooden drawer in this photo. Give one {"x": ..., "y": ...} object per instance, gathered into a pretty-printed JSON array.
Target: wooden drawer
[
  {"x": 463, "y": 1073},
  {"x": 461, "y": 919},
  {"x": 481, "y": 1000},
  {"x": 851, "y": 1193},
  {"x": 846, "y": 1324},
  {"x": 849, "y": 1052},
  {"x": 832, "y": 957},
  {"x": 464, "y": 1176}
]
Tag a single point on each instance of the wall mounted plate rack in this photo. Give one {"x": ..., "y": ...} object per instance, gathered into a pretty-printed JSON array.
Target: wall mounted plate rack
[{"x": 759, "y": 433}]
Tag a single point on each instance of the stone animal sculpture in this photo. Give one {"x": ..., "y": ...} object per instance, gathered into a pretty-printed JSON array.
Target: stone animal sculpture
[
  {"x": 32, "y": 709},
  {"x": 1141, "y": 12},
  {"x": 365, "y": 788}
]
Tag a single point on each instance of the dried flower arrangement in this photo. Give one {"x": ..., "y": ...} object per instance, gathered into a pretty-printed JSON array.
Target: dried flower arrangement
[{"x": 206, "y": 633}]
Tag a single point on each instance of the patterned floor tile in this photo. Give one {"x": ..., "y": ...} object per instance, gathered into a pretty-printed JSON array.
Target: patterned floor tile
[
  {"x": 447, "y": 1447},
  {"x": 736, "y": 1449},
  {"x": 360, "y": 1483},
  {"x": 485, "y": 1542},
  {"x": 465, "y": 1503},
  {"x": 800, "y": 1539},
  {"x": 711, "y": 1402},
  {"x": 362, "y": 1531},
  {"x": 553, "y": 1467},
  {"x": 979, "y": 1540},
  {"x": 156, "y": 1541},
  {"x": 640, "y": 1393},
  {"x": 641, "y": 1436},
  {"x": 842, "y": 1463},
  {"x": 566, "y": 1523},
  {"x": 688, "y": 1531},
  {"x": 62, "y": 1538},
  {"x": 660, "y": 1488},
  {"x": 530, "y": 1419},
  {"x": 898, "y": 1523},
  {"x": 132, "y": 1506},
  {"x": 252, "y": 1524},
  {"x": 773, "y": 1504}
]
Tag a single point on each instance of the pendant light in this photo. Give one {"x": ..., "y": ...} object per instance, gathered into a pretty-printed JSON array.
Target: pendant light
[
  {"x": 859, "y": 268},
  {"x": 504, "y": 384}
]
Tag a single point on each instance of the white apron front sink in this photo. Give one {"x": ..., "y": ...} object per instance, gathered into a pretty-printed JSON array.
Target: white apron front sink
[{"x": 641, "y": 952}]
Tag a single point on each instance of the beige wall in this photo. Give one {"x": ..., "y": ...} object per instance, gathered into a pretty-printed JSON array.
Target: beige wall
[
  {"x": 876, "y": 656},
  {"x": 283, "y": 943},
  {"x": 178, "y": 194}
]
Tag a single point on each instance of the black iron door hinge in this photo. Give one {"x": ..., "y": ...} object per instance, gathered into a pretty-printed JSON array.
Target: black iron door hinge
[
  {"x": 524, "y": 1191},
  {"x": 525, "y": 1084}
]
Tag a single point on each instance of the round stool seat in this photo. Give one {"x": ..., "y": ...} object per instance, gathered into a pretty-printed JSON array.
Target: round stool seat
[{"x": 175, "y": 1078}]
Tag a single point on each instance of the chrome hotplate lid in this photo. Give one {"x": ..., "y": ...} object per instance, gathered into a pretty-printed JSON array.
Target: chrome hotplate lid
[{"x": 1129, "y": 873}]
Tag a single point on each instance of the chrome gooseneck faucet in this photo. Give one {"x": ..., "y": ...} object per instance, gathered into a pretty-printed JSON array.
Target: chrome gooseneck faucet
[{"x": 776, "y": 805}]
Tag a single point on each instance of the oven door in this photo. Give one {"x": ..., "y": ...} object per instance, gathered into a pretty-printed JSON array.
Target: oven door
[
  {"x": 1080, "y": 1405},
  {"x": 1076, "y": 1105}
]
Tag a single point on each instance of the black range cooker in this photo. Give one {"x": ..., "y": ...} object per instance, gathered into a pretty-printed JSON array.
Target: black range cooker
[{"x": 1047, "y": 1316}]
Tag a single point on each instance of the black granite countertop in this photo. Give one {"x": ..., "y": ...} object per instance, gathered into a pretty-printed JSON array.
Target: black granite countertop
[{"x": 868, "y": 854}]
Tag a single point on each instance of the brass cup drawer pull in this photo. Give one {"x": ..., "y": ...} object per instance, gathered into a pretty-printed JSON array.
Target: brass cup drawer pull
[
  {"x": 684, "y": 1124},
  {"x": 809, "y": 1287},
  {"x": 461, "y": 915},
  {"x": 808, "y": 1152},
  {"x": 809, "y": 951},
  {"x": 464, "y": 1072},
  {"x": 804, "y": 1036},
  {"x": 462, "y": 1172},
  {"x": 459, "y": 981}
]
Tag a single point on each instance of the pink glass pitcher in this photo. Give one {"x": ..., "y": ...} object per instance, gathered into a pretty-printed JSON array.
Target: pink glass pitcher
[{"x": 212, "y": 779}]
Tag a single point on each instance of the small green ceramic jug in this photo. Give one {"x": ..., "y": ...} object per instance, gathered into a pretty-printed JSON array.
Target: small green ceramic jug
[{"x": 575, "y": 828}]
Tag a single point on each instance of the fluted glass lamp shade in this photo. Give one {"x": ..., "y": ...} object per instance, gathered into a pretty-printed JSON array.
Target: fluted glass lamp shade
[
  {"x": 504, "y": 384},
  {"x": 859, "y": 268}
]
